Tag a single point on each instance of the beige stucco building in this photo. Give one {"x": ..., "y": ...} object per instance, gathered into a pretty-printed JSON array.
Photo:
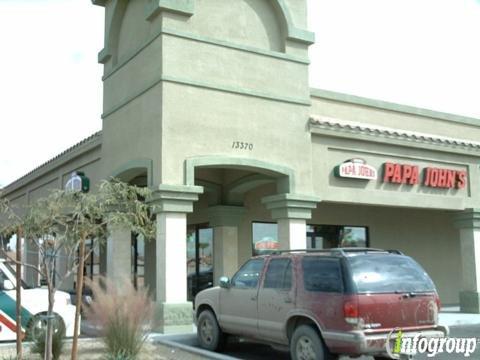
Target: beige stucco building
[{"x": 208, "y": 103}]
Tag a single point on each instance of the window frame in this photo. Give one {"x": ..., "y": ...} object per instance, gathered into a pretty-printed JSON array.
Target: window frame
[
  {"x": 232, "y": 281},
  {"x": 267, "y": 268},
  {"x": 252, "y": 234}
]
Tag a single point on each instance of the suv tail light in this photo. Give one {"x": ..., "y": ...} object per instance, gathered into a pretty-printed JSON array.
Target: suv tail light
[
  {"x": 350, "y": 312},
  {"x": 439, "y": 303}
]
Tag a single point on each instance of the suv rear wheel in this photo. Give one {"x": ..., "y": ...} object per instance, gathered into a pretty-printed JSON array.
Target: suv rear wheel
[
  {"x": 209, "y": 334},
  {"x": 307, "y": 345},
  {"x": 38, "y": 326}
]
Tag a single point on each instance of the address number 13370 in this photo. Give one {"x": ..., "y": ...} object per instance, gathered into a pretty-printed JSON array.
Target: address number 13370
[{"x": 242, "y": 145}]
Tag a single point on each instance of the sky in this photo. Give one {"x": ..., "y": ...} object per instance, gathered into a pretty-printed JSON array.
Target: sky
[{"x": 422, "y": 53}]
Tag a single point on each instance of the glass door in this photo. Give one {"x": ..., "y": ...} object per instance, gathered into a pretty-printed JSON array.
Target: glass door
[
  {"x": 199, "y": 259},
  {"x": 138, "y": 260}
]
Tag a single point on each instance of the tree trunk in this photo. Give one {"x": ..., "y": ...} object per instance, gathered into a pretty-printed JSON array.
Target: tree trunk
[
  {"x": 79, "y": 292},
  {"x": 18, "y": 288},
  {"x": 50, "y": 319}
]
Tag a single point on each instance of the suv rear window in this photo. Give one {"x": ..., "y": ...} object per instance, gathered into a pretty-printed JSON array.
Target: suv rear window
[
  {"x": 389, "y": 273},
  {"x": 322, "y": 274}
]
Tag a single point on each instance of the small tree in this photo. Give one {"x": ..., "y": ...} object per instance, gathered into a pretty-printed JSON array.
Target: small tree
[
  {"x": 8, "y": 215},
  {"x": 59, "y": 224}
]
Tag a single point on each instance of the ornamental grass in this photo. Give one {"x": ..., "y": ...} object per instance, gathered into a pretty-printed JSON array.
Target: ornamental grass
[{"x": 123, "y": 314}]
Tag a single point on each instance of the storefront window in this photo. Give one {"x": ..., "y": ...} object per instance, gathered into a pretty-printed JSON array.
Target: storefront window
[
  {"x": 265, "y": 238},
  {"x": 199, "y": 259},
  {"x": 91, "y": 266},
  {"x": 138, "y": 260},
  {"x": 332, "y": 236}
]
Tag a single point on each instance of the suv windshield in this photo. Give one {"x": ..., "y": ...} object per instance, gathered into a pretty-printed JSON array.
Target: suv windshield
[{"x": 389, "y": 273}]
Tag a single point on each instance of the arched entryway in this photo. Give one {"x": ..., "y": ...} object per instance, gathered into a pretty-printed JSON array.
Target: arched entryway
[{"x": 241, "y": 198}]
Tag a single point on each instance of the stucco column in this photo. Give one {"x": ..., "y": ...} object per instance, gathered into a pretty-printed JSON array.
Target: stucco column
[
  {"x": 32, "y": 257},
  {"x": 468, "y": 223},
  {"x": 171, "y": 249},
  {"x": 291, "y": 212},
  {"x": 119, "y": 254},
  {"x": 292, "y": 233},
  {"x": 225, "y": 221},
  {"x": 171, "y": 204}
]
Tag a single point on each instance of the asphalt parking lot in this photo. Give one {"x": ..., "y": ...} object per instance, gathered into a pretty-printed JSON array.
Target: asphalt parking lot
[{"x": 246, "y": 350}]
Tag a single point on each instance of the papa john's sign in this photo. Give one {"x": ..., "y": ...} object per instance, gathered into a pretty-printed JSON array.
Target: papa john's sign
[
  {"x": 432, "y": 176},
  {"x": 356, "y": 169},
  {"x": 407, "y": 174}
]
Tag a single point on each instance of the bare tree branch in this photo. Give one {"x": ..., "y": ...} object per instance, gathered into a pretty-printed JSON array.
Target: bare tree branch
[{"x": 30, "y": 266}]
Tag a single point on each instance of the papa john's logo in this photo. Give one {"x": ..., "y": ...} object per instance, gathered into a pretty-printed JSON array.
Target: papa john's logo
[{"x": 356, "y": 169}]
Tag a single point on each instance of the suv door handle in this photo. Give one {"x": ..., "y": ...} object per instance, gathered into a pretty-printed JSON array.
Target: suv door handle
[
  {"x": 254, "y": 297},
  {"x": 287, "y": 300}
]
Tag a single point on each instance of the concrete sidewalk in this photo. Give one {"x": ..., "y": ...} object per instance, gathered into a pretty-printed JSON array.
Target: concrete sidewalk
[{"x": 451, "y": 316}]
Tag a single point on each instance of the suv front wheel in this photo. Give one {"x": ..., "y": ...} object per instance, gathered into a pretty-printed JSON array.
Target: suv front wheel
[
  {"x": 307, "y": 345},
  {"x": 209, "y": 334}
]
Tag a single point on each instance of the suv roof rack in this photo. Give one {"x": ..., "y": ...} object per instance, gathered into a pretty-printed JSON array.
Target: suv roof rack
[{"x": 337, "y": 251}]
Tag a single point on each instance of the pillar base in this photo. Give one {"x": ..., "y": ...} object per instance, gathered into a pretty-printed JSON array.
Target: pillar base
[
  {"x": 173, "y": 318},
  {"x": 470, "y": 302}
]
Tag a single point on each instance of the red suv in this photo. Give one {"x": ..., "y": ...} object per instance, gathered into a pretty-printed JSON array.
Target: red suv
[{"x": 322, "y": 304}]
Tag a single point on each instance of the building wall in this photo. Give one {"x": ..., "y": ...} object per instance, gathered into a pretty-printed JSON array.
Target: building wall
[
  {"x": 84, "y": 156},
  {"x": 368, "y": 111},
  {"x": 426, "y": 235},
  {"x": 223, "y": 61},
  {"x": 53, "y": 175},
  {"x": 251, "y": 23},
  {"x": 230, "y": 80},
  {"x": 329, "y": 152},
  {"x": 220, "y": 119}
]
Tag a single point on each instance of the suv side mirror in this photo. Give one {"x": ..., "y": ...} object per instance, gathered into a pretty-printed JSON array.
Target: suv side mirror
[
  {"x": 225, "y": 282},
  {"x": 8, "y": 285}
]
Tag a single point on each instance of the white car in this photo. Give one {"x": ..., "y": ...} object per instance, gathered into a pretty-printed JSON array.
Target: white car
[{"x": 34, "y": 307}]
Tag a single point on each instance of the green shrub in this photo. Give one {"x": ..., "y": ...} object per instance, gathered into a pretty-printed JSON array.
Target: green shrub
[
  {"x": 57, "y": 344},
  {"x": 123, "y": 314}
]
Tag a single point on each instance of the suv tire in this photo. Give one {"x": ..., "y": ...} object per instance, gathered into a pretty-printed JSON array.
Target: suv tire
[
  {"x": 38, "y": 325},
  {"x": 307, "y": 345},
  {"x": 209, "y": 334}
]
